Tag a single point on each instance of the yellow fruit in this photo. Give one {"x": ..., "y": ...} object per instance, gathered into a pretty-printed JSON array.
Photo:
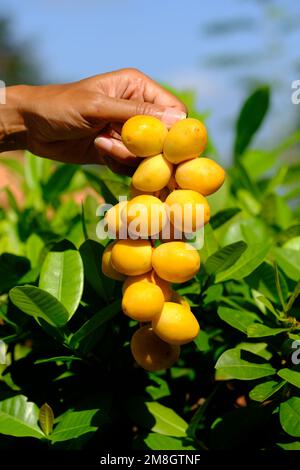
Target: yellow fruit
[
  {"x": 152, "y": 174},
  {"x": 179, "y": 299},
  {"x": 107, "y": 268},
  {"x": 145, "y": 215},
  {"x": 185, "y": 140},
  {"x": 175, "y": 324},
  {"x": 152, "y": 277},
  {"x": 150, "y": 352},
  {"x": 144, "y": 135},
  {"x": 176, "y": 261},
  {"x": 142, "y": 301},
  {"x": 132, "y": 257},
  {"x": 188, "y": 210},
  {"x": 113, "y": 219},
  {"x": 200, "y": 174}
]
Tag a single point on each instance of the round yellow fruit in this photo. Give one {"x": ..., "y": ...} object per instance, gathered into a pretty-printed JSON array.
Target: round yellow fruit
[
  {"x": 142, "y": 301},
  {"x": 152, "y": 174},
  {"x": 145, "y": 215},
  {"x": 150, "y": 352},
  {"x": 143, "y": 135},
  {"x": 200, "y": 174},
  {"x": 176, "y": 261},
  {"x": 152, "y": 277},
  {"x": 175, "y": 324},
  {"x": 187, "y": 210},
  {"x": 132, "y": 257},
  {"x": 113, "y": 219},
  {"x": 107, "y": 268},
  {"x": 185, "y": 140}
]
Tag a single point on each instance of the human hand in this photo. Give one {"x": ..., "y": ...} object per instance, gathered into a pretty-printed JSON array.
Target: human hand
[{"x": 81, "y": 122}]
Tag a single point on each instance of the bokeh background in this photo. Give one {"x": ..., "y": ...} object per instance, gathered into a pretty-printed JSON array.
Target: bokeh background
[{"x": 219, "y": 50}]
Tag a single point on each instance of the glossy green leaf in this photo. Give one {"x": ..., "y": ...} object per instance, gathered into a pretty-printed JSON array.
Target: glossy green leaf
[
  {"x": 260, "y": 331},
  {"x": 76, "y": 423},
  {"x": 166, "y": 420},
  {"x": 238, "y": 319},
  {"x": 46, "y": 418},
  {"x": 289, "y": 262},
  {"x": 265, "y": 390},
  {"x": 289, "y": 413},
  {"x": 62, "y": 277},
  {"x": 225, "y": 257},
  {"x": 39, "y": 303},
  {"x": 289, "y": 445},
  {"x": 246, "y": 264},
  {"x": 235, "y": 364},
  {"x": 250, "y": 119},
  {"x": 291, "y": 376},
  {"x": 19, "y": 418}
]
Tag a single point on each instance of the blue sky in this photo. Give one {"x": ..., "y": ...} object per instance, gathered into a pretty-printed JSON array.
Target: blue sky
[{"x": 170, "y": 41}]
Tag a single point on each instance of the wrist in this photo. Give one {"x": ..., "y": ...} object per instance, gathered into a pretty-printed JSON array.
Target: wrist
[{"x": 13, "y": 131}]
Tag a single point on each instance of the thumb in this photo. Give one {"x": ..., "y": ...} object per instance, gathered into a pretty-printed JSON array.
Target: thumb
[{"x": 119, "y": 110}]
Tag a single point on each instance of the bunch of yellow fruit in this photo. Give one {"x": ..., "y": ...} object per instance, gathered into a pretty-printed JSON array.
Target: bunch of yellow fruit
[{"x": 169, "y": 178}]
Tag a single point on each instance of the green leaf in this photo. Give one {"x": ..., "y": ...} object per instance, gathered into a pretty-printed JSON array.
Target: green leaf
[
  {"x": 202, "y": 341},
  {"x": 155, "y": 441},
  {"x": 59, "y": 181},
  {"x": 38, "y": 303},
  {"x": 293, "y": 298},
  {"x": 234, "y": 364},
  {"x": 260, "y": 331},
  {"x": 265, "y": 390},
  {"x": 289, "y": 414},
  {"x": 46, "y": 418},
  {"x": 160, "y": 390},
  {"x": 256, "y": 348},
  {"x": 225, "y": 257},
  {"x": 12, "y": 268},
  {"x": 88, "y": 334},
  {"x": 76, "y": 423},
  {"x": 91, "y": 254},
  {"x": 223, "y": 216},
  {"x": 34, "y": 247},
  {"x": 289, "y": 262},
  {"x": 166, "y": 420},
  {"x": 246, "y": 264},
  {"x": 57, "y": 359},
  {"x": 238, "y": 319},
  {"x": 251, "y": 116},
  {"x": 210, "y": 243},
  {"x": 62, "y": 276},
  {"x": 289, "y": 445},
  {"x": 19, "y": 417},
  {"x": 291, "y": 376}
]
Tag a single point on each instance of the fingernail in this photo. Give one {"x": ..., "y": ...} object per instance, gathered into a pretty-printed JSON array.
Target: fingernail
[
  {"x": 171, "y": 115},
  {"x": 104, "y": 142}
]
